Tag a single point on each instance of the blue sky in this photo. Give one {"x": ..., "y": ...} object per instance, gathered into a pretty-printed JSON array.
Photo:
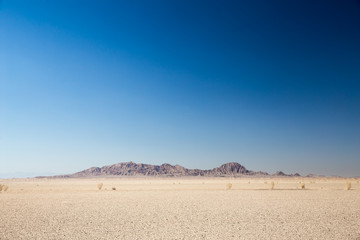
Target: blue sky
[{"x": 273, "y": 85}]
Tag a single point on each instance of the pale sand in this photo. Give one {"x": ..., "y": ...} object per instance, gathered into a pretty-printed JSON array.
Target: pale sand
[{"x": 179, "y": 209}]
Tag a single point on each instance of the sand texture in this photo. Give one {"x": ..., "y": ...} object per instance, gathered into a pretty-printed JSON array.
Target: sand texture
[{"x": 199, "y": 208}]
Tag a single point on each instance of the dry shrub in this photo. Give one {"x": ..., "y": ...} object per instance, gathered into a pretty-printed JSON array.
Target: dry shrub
[
  {"x": 114, "y": 188},
  {"x": 1, "y": 187},
  {"x": 272, "y": 185},
  {"x": 100, "y": 185},
  {"x": 302, "y": 186},
  {"x": 5, "y": 188},
  {"x": 348, "y": 185},
  {"x": 228, "y": 186}
]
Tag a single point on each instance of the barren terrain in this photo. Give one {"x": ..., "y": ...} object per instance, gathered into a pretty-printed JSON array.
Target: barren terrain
[{"x": 180, "y": 208}]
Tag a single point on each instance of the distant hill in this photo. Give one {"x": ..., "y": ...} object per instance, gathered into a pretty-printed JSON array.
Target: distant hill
[{"x": 231, "y": 169}]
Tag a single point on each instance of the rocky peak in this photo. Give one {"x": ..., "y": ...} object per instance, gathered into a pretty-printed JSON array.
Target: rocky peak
[{"x": 231, "y": 168}]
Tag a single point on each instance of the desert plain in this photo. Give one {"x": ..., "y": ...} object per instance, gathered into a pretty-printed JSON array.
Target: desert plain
[{"x": 180, "y": 208}]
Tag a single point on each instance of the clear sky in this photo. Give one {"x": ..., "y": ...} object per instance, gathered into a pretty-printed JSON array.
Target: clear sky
[{"x": 273, "y": 85}]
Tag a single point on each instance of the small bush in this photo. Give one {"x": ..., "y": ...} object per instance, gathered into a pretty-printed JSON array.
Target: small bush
[
  {"x": 348, "y": 185},
  {"x": 100, "y": 185},
  {"x": 5, "y": 188},
  {"x": 302, "y": 186},
  {"x": 272, "y": 185},
  {"x": 1, "y": 187},
  {"x": 228, "y": 186},
  {"x": 114, "y": 188}
]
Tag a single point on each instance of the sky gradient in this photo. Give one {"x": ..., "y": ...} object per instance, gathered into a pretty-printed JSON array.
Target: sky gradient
[{"x": 273, "y": 85}]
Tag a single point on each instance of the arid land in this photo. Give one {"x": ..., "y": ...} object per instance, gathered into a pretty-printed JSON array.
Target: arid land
[{"x": 180, "y": 208}]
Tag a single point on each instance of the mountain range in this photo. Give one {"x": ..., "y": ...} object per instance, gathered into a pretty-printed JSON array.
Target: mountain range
[{"x": 231, "y": 169}]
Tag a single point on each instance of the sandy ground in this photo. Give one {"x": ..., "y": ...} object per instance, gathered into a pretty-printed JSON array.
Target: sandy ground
[{"x": 151, "y": 208}]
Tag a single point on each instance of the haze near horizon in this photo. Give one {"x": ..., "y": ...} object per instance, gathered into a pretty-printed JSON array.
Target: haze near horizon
[{"x": 270, "y": 85}]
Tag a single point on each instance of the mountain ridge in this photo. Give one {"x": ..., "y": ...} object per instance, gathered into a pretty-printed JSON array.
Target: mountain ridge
[{"x": 130, "y": 169}]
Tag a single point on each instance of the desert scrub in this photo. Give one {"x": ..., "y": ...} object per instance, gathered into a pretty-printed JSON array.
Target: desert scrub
[
  {"x": 302, "y": 185},
  {"x": 1, "y": 187},
  {"x": 100, "y": 185},
  {"x": 272, "y": 185},
  {"x": 348, "y": 185},
  {"x": 228, "y": 186},
  {"x": 114, "y": 188}
]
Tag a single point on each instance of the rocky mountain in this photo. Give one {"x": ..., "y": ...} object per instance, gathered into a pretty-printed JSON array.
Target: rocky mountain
[{"x": 167, "y": 170}]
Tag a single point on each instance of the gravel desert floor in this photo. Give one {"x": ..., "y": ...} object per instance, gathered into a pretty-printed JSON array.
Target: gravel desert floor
[{"x": 180, "y": 208}]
